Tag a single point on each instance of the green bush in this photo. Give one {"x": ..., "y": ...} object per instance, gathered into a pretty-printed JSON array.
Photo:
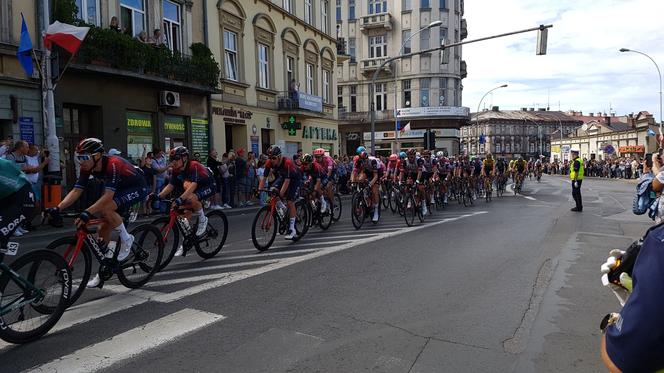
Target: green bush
[{"x": 124, "y": 52}]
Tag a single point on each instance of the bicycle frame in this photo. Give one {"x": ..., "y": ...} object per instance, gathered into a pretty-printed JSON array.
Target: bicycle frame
[
  {"x": 83, "y": 234},
  {"x": 25, "y": 285}
]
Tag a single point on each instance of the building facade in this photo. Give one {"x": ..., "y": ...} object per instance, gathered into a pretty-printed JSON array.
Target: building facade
[
  {"x": 606, "y": 136},
  {"x": 20, "y": 95},
  {"x": 278, "y": 59},
  {"x": 427, "y": 93},
  {"x": 509, "y": 133}
]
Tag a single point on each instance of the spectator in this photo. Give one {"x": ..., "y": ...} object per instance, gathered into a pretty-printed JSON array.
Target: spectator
[
  {"x": 225, "y": 181},
  {"x": 293, "y": 89},
  {"x": 33, "y": 160},
  {"x": 114, "y": 151},
  {"x": 145, "y": 162},
  {"x": 160, "y": 166},
  {"x": 5, "y": 146},
  {"x": 115, "y": 25},
  {"x": 260, "y": 172},
  {"x": 241, "y": 178},
  {"x": 214, "y": 165},
  {"x": 252, "y": 178},
  {"x": 158, "y": 38},
  {"x": 143, "y": 37},
  {"x": 21, "y": 150}
]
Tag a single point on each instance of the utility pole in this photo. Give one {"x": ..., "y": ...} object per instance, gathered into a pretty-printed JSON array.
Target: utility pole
[{"x": 48, "y": 101}]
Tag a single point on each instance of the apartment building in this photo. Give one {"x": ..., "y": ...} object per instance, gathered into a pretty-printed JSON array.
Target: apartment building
[
  {"x": 418, "y": 90},
  {"x": 278, "y": 59}
]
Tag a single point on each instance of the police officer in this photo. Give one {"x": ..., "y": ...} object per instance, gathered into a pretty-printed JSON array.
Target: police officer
[{"x": 576, "y": 175}]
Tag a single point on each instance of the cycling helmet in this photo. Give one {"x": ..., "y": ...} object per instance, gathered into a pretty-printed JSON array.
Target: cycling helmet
[
  {"x": 411, "y": 152},
  {"x": 90, "y": 145},
  {"x": 393, "y": 157},
  {"x": 364, "y": 155},
  {"x": 361, "y": 149},
  {"x": 319, "y": 151},
  {"x": 402, "y": 155},
  {"x": 418, "y": 154},
  {"x": 178, "y": 152},
  {"x": 307, "y": 158},
  {"x": 274, "y": 151},
  {"x": 440, "y": 154}
]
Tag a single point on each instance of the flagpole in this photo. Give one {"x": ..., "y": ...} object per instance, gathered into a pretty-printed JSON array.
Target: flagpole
[
  {"x": 49, "y": 101},
  {"x": 71, "y": 57},
  {"x": 39, "y": 66}
]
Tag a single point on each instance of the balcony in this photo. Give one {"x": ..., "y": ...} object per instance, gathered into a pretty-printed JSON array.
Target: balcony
[
  {"x": 376, "y": 21},
  {"x": 119, "y": 53},
  {"x": 370, "y": 65},
  {"x": 342, "y": 48},
  {"x": 463, "y": 69},
  {"x": 464, "y": 28},
  {"x": 300, "y": 103}
]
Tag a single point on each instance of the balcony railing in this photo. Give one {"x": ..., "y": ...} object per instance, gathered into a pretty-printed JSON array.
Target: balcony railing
[
  {"x": 108, "y": 48},
  {"x": 464, "y": 29},
  {"x": 373, "y": 21},
  {"x": 342, "y": 48},
  {"x": 463, "y": 69},
  {"x": 369, "y": 65},
  {"x": 294, "y": 100}
]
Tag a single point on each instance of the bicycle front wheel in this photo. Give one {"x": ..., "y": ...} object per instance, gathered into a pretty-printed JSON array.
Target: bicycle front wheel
[
  {"x": 171, "y": 239},
  {"x": 145, "y": 257},
  {"x": 80, "y": 267},
  {"x": 215, "y": 236},
  {"x": 358, "y": 210},
  {"x": 336, "y": 211},
  {"x": 409, "y": 209},
  {"x": 29, "y": 312}
]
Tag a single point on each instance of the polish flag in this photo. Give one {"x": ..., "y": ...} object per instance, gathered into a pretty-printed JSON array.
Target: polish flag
[
  {"x": 66, "y": 36},
  {"x": 405, "y": 128}
]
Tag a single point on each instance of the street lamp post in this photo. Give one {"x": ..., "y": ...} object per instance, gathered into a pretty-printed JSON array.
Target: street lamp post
[
  {"x": 660, "y": 89},
  {"x": 477, "y": 118},
  {"x": 403, "y": 45}
]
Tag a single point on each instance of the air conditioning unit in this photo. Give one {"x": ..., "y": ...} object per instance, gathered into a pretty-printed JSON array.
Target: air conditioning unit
[{"x": 169, "y": 99}]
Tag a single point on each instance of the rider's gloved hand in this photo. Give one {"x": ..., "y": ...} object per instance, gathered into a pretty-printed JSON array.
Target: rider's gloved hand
[
  {"x": 85, "y": 216},
  {"x": 179, "y": 201},
  {"x": 153, "y": 197}
]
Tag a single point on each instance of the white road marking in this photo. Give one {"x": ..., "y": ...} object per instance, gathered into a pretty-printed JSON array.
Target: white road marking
[
  {"x": 131, "y": 343},
  {"x": 529, "y": 198},
  {"x": 241, "y": 275},
  {"x": 212, "y": 268}
]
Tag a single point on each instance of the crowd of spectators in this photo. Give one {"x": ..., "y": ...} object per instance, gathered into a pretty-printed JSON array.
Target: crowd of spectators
[{"x": 613, "y": 168}]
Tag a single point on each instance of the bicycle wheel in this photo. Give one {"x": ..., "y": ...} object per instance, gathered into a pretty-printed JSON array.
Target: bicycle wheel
[
  {"x": 357, "y": 210},
  {"x": 28, "y": 314},
  {"x": 336, "y": 211},
  {"x": 409, "y": 210},
  {"x": 171, "y": 239},
  {"x": 302, "y": 219},
  {"x": 145, "y": 257},
  {"x": 325, "y": 219},
  {"x": 384, "y": 197},
  {"x": 264, "y": 228},
  {"x": 80, "y": 267},
  {"x": 215, "y": 235}
]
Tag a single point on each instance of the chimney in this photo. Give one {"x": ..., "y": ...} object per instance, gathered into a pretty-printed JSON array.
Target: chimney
[
  {"x": 495, "y": 108},
  {"x": 532, "y": 109},
  {"x": 541, "y": 109},
  {"x": 524, "y": 109},
  {"x": 613, "y": 114},
  {"x": 592, "y": 114},
  {"x": 607, "y": 119}
]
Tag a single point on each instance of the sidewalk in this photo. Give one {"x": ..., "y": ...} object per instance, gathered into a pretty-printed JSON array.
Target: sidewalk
[{"x": 47, "y": 230}]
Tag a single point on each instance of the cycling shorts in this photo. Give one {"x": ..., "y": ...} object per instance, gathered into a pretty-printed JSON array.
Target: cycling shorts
[
  {"x": 14, "y": 210},
  {"x": 125, "y": 198},
  {"x": 204, "y": 192},
  {"x": 293, "y": 187}
]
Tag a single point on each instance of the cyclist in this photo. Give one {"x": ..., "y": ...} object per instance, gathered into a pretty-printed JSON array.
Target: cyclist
[
  {"x": 287, "y": 182},
  {"x": 369, "y": 168},
  {"x": 476, "y": 165},
  {"x": 538, "y": 166},
  {"x": 391, "y": 167},
  {"x": 196, "y": 180},
  {"x": 429, "y": 168},
  {"x": 501, "y": 168},
  {"x": 444, "y": 169},
  {"x": 124, "y": 186},
  {"x": 411, "y": 170},
  {"x": 511, "y": 167},
  {"x": 329, "y": 166},
  {"x": 488, "y": 166},
  {"x": 317, "y": 176},
  {"x": 16, "y": 199},
  {"x": 520, "y": 168},
  {"x": 397, "y": 167}
]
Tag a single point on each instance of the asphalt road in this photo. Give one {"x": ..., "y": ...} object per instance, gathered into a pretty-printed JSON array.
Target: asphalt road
[{"x": 511, "y": 285}]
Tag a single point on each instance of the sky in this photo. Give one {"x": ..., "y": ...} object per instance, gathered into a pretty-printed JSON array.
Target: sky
[{"x": 582, "y": 70}]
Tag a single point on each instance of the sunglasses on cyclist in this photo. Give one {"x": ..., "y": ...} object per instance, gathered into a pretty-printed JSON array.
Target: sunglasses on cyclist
[
  {"x": 84, "y": 157},
  {"x": 274, "y": 157},
  {"x": 175, "y": 158}
]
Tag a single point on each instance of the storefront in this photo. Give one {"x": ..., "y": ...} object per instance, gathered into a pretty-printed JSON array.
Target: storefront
[
  {"x": 242, "y": 127},
  {"x": 388, "y": 142}
]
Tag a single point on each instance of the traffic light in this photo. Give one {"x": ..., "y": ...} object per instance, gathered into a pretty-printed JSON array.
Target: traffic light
[
  {"x": 542, "y": 36},
  {"x": 429, "y": 140},
  {"x": 292, "y": 125}
]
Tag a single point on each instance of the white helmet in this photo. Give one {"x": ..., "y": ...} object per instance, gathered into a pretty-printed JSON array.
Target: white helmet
[
  {"x": 440, "y": 154},
  {"x": 418, "y": 154}
]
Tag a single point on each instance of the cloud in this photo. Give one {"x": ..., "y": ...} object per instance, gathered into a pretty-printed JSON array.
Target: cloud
[{"x": 582, "y": 70}]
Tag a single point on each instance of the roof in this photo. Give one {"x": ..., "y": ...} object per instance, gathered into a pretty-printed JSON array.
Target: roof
[{"x": 525, "y": 116}]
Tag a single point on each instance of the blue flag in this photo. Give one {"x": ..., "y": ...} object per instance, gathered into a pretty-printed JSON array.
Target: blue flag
[
  {"x": 482, "y": 139},
  {"x": 651, "y": 132},
  {"x": 24, "y": 53}
]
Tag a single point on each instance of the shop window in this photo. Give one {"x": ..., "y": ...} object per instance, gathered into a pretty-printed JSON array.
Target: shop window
[{"x": 139, "y": 133}]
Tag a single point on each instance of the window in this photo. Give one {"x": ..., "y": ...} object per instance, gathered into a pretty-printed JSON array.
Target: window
[
  {"x": 442, "y": 85},
  {"x": 172, "y": 26},
  {"x": 351, "y": 9},
  {"x": 308, "y": 12},
  {"x": 498, "y": 150},
  {"x": 338, "y": 10},
  {"x": 456, "y": 36},
  {"x": 132, "y": 16},
  {"x": 380, "y": 99},
  {"x": 377, "y": 6},
  {"x": 351, "y": 49},
  {"x": 377, "y": 46},
  {"x": 326, "y": 86},
  {"x": 290, "y": 71},
  {"x": 263, "y": 66},
  {"x": 405, "y": 88},
  {"x": 457, "y": 92},
  {"x": 230, "y": 55},
  {"x": 442, "y": 35},
  {"x": 424, "y": 39},
  {"x": 424, "y": 91},
  {"x": 424, "y": 4},
  {"x": 287, "y": 5},
  {"x": 443, "y": 4},
  {"x": 324, "y": 4},
  {"x": 405, "y": 35},
  {"x": 407, "y": 5},
  {"x": 310, "y": 79},
  {"x": 340, "y": 96},
  {"x": 88, "y": 11},
  {"x": 353, "y": 99}
]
